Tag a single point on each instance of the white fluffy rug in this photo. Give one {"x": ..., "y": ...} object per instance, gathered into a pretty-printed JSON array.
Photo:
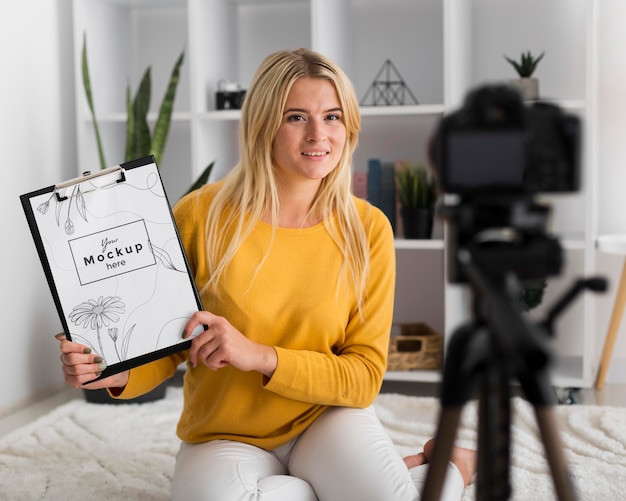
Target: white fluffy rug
[{"x": 94, "y": 452}]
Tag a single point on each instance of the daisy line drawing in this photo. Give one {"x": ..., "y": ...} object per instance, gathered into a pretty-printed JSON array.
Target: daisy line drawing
[{"x": 97, "y": 314}]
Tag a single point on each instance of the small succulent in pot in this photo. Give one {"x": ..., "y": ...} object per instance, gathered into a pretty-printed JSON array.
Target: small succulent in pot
[
  {"x": 526, "y": 65},
  {"x": 417, "y": 188},
  {"x": 417, "y": 191},
  {"x": 526, "y": 84}
]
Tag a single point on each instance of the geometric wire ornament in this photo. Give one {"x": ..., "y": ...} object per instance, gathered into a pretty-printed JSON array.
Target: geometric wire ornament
[{"x": 390, "y": 91}]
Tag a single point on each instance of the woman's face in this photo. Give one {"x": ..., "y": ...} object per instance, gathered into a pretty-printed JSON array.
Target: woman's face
[{"x": 312, "y": 133}]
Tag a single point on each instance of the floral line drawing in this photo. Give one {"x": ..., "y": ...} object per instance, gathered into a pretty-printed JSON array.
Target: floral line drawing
[
  {"x": 44, "y": 206},
  {"x": 114, "y": 333},
  {"x": 165, "y": 258},
  {"x": 98, "y": 314},
  {"x": 81, "y": 207}
]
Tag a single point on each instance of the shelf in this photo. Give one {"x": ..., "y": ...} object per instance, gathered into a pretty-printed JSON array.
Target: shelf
[
  {"x": 177, "y": 116},
  {"x": 420, "y": 109},
  {"x": 366, "y": 111},
  {"x": 567, "y": 372},
  {"x": 441, "y": 49},
  {"x": 218, "y": 115},
  {"x": 426, "y": 376},
  {"x": 147, "y": 4},
  {"x": 403, "y": 243}
]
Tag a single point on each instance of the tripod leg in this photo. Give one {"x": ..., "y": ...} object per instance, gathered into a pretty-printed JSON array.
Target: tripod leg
[
  {"x": 492, "y": 480},
  {"x": 459, "y": 375},
  {"x": 538, "y": 393},
  {"x": 554, "y": 452},
  {"x": 444, "y": 441}
]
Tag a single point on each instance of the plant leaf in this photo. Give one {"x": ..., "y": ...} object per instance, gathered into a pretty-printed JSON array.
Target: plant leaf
[
  {"x": 202, "y": 179},
  {"x": 141, "y": 106},
  {"x": 57, "y": 209},
  {"x": 126, "y": 341},
  {"x": 87, "y": 86},
  {"x": 130, "y": 126},
  {"x": 162, "y": 126},
  {"x": 81, "y": 207},
  {"x": 416, "y": 187},
  {"x": 164, "y": 257}
]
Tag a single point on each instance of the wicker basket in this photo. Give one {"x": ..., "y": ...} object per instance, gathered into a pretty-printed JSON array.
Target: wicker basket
[{"x": 418, "y": 347}]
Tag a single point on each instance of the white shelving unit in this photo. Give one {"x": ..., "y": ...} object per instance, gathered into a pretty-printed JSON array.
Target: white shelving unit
[{"x": 442, "y": 48}]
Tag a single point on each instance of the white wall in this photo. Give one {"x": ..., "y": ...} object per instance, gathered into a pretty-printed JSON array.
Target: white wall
[
  {"x": 612, "y": 165},
  {"x": 38, "y": 149}
]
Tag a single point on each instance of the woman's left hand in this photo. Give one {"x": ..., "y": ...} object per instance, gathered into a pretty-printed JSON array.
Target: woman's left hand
[{"x": 221, "y": 345}]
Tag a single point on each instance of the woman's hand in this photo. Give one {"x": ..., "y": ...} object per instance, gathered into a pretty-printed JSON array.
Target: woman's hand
[
  {"x": 81, "y": 365},
  {"x": 221, "y": 345}
]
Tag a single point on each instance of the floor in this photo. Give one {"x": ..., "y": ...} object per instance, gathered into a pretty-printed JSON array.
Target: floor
[{"x": 610, "y": 395}]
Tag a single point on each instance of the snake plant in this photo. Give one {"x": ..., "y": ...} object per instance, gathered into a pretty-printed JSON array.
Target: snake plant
[
  {"x": 140, "y": 140},
  {"x": 87, "y": 85}
]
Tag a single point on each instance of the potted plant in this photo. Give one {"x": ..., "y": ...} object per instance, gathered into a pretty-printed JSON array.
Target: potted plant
[
  {"x": 531, "y": 293},
  {"x": 526, "y": 84},
  {"x": 140, "y": 140},
  {"x": 417, "y": 193}
]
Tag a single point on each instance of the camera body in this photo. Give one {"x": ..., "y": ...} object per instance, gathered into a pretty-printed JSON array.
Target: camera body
[
  {"x": 229, "y": 100},
  {"x": 495, "y": 154},
  {"x": 497, "y": 144},
  {"x": 229, "y": 96}
]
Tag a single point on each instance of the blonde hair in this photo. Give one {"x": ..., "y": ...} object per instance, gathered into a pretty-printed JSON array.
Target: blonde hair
[{"x": 249, "y": 191}]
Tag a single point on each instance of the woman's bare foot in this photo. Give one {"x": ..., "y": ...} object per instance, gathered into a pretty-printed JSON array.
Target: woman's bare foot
[
  {"x": 415, "y": 460},
  {"x": 463, "y": 459}
]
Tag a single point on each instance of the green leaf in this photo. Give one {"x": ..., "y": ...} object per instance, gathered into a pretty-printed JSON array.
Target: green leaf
[
  {"x": 141, "y": 106},
  {"x": 527, "y": 64},
  {"x": 130, "y": 126},
  {"x": 416, "y": 188},
  {"x": 162, "y": 126},
  {"x": 87, "y": 86},
  {"x": 202, "y": 179},
  {"x": 532, "y": 293}
]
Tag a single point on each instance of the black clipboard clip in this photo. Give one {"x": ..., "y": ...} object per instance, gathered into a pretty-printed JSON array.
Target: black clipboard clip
[{"x": 87, "y": 176}]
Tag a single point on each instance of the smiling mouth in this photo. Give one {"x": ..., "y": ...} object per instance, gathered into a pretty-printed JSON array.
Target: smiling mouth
[{"x": 315, "y": 154}]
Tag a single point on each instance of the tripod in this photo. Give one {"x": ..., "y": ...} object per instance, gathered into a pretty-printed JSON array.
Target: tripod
[{"x": 497, "y": 346}]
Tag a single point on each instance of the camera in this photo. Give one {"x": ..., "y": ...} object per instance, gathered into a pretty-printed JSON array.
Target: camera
[
  {"x": 497, "y": 144},
  {"x": 491, "y": 157},
  {"x": 229, "y": 96},
  {"x": 495, "y": 153}
]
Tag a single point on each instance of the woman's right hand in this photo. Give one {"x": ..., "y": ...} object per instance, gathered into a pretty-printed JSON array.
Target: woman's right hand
[{"x": 81, "y": 365}]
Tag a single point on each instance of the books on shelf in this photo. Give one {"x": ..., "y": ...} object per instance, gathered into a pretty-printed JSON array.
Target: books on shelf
[
  {"x": 377, "y": 184},
  {"x": 359, "y": 184},
  {"x": 381, "y": 187}
]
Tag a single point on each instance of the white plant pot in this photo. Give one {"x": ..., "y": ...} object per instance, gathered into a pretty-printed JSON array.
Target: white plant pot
[{"x": 527, "y": 87}]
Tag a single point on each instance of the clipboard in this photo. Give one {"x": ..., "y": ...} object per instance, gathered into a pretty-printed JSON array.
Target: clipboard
[{"x": 114, "y": 262}]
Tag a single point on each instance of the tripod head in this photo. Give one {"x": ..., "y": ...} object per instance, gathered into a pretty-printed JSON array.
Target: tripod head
[{"x": 504, "y": 234}]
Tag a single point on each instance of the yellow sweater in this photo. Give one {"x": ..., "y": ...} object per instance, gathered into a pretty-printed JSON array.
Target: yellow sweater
[{"x": 326, "y": 355}]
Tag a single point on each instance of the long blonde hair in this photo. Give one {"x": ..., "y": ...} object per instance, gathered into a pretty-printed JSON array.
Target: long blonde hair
[{"x": 249, "y": 191}]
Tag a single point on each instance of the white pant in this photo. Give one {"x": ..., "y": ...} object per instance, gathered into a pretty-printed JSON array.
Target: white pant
[{"x": 344, "y": 455}]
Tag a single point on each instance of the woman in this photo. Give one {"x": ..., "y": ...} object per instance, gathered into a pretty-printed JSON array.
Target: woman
[{"x": 297, "y": 280}]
